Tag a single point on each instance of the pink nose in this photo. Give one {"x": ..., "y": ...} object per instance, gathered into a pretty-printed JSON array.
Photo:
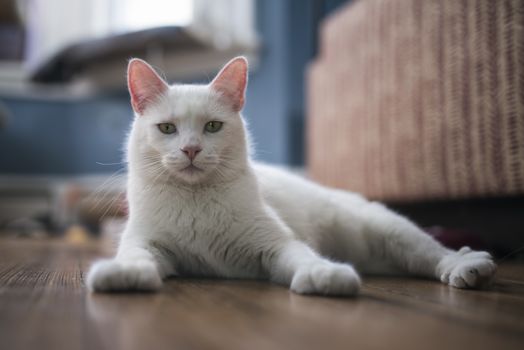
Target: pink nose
[{"x": 191, "y": 151}]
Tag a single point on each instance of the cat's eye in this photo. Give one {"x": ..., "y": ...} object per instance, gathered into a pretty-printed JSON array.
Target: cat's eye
[
  {"x": 213, "y": 126},
  {"x": 167, "y": 128}
]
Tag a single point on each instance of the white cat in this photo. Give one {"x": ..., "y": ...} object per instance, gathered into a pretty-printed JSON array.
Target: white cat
[{"x": 200, "y": 207}]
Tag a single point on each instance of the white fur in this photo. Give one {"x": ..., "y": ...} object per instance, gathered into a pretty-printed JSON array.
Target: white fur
[{"x": 239, "y": 219}]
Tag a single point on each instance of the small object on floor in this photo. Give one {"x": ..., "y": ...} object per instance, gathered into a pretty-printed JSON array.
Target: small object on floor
[{"x": 77, "y": 235}]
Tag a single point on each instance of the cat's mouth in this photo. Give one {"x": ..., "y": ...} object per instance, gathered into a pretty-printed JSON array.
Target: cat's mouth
[{"x": 191, "y": 169}]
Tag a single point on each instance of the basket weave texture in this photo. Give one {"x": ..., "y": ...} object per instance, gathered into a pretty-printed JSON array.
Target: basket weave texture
[{"x": 415, "y": 100}]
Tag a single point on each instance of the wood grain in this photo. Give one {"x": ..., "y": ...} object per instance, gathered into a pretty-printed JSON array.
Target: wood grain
[{"x": 44, "y": 305}]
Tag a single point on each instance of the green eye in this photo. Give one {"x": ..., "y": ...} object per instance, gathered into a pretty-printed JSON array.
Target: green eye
[
  {"x": 167, "y": 128},
  {"x": 213, "y": 126}
]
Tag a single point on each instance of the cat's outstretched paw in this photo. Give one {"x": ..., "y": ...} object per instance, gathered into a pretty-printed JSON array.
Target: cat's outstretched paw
[
  {"x": 467, "y": 269},
  {"x": 326, "y": 278},
  {"x": 115, "y": 276}
]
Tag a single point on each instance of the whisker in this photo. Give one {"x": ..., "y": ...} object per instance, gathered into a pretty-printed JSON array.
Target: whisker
[
  {"x": 101, "y": 191},
  {"x": 118, "y": 163}
]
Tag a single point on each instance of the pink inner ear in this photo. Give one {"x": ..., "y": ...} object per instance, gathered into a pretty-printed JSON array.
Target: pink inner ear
[
  {"x": 231, "y": 82},
  {"x": 145, "y": 86}
]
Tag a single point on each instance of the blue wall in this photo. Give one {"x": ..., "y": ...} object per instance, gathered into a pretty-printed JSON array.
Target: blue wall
[
  {"x": 72, "y": 137},
  {"x": 63, "y": 137},
  {"x": 275, "y": 99}
]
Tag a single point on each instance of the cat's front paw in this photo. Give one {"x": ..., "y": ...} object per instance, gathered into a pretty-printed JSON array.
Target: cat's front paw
[
  {"x": 467, "y": 269},
  {"x": 115, "y": 276},
  {"x": 326, "y": 278}
]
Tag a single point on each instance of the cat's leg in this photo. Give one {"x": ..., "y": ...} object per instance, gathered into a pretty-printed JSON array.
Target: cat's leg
[
  {"x": 293, "y": 263},
  {"x": 268, "y": 243},
  {"x": 403, "y": 245},
  {"x": 136, "y": 267},
  {"x": 290, "y": 262},
  {"x": 305, "y": 272}
]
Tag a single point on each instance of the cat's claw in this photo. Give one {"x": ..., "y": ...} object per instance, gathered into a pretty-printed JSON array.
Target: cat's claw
[
  {"x": 326, "y": 278},
  {"x": 112, "y": 275},
  {"x": 467, "y": 269}
]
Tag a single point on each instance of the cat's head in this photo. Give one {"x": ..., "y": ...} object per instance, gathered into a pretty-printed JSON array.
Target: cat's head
[{"x": 192, "y": 134}]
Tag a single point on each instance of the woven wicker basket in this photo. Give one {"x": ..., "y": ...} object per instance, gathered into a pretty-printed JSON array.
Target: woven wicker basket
[{"x": 412, "y": 100}]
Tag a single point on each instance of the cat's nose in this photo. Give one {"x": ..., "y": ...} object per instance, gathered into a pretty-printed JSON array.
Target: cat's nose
[{"x": 191, "y": 151}]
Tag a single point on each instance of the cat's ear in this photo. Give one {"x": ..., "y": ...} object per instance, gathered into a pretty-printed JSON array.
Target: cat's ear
[
  {"x": 145, "y": 85},
  {"x": 231, "y": 82}
]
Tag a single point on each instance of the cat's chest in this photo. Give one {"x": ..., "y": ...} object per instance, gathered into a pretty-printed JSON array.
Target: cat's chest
[
  {"x": 198, "y": 237},
  {"x": 197, "y": 219},
  {"x": 203, "y": 235}
]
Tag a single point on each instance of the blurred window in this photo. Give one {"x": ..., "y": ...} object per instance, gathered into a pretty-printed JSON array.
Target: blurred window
[
  {"x": 54, "y": 24},
  {"x": 131, "y": 15}
]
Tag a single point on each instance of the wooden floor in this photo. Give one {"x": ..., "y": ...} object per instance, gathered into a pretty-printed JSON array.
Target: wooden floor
[{"x": 44, "y": 305}]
